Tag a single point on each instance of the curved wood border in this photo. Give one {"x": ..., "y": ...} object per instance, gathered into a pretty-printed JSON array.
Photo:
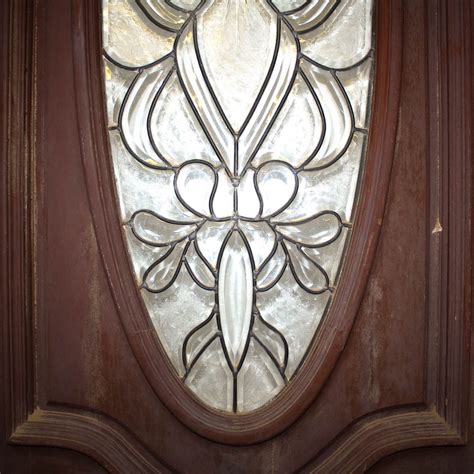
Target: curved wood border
[
  {"x": 99, "y": 437},
  {"x": 330, "y": 338}
]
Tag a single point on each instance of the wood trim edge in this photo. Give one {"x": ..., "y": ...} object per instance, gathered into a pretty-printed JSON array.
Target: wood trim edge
[{"x": 94, "y": 435}]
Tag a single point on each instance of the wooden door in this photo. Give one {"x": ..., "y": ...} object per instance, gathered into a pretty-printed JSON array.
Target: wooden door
[{"x": 86, "y": 388}]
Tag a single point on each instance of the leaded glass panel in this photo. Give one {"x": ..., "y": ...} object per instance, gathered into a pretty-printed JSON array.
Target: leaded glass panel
[{"x": 237, "y": 132}]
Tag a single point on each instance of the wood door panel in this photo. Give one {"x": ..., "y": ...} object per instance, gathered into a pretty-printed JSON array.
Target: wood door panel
[{"x": 401, "y": 380}]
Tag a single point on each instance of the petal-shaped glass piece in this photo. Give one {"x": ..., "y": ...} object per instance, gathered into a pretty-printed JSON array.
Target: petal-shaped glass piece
[
  {"x": 223, "y": 202},
  {"x": 162, "y": 274},
  {"x": 143, "y": 255},
  {"x": 306, "y": 272},
  {"x": 198, "y": 269},
  {"x": 139, "y": 185},
  {"x": 288, "y": 5},
  {"x": 195, "y": 184},
  {"x": 235, "y": 296},
  {"x": 209, "y": 240},
  {"x": 211, "y": 379},
  {"x": 306, "y": 309},
  {"x": 337, "y": 115},
  {"x": 153, "y": 229},
  {"x": 277, "y": 185},
  {"x": 136, "y": 108},
  {"x": 248, "y": 203},
  {"x": 261, "y": 238},
  {"x": 331, "y": 188},
  {"x": 313, "y": 232},
  {"x": 329, "y": 256},
  {"x": 201, "y": 100},
  {"x": 297, "y": 131},
  {"x": 344, "y": 39},
  {"x": 118, "y": 80},
  {"x": 198, "y": 340},
  {"x": 130, "y": 38},
  {"x": 272, "y": 271},
  {"x": 236, "y": 41},
  {"x": 312, "y": 15},
  {"x": 163, "y": 14},
  {"x": 272, "y": 341},
  {"x": 175, "y": 315},
  {"x": 259, "y": 380},
  {"x": 357, "y": 84},
  {"x": 186, "y": 4},
  {"x": 279, "y": 84},
  {"x": 174, "y": 129}
]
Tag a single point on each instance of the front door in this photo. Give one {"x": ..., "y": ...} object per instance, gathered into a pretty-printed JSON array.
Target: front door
[{"x": 236, "y": 235}]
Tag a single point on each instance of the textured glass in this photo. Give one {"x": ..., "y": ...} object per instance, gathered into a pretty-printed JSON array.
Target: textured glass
[
  {"x": 235, "y": 296},
  {"x": 237, "y": 131}
]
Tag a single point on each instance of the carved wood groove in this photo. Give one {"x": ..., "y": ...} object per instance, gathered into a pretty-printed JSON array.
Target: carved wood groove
[{"x": 102, "y": 439}]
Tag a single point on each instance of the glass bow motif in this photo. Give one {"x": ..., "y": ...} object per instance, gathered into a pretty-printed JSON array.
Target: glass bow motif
[{"x": 237, "y": 130}]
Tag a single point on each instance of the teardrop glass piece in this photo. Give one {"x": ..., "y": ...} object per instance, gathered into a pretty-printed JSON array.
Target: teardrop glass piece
[{"x": 235, "y": 296}]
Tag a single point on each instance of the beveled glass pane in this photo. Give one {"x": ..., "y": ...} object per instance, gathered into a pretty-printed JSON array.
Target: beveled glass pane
[
  {"x": 211, "y": 379},
  {"x": 258, "y": 381},
  {"x": 130, "y": 37},
  {"x": 235, "y": 296},
  {"x": 306, "y": 310},
  {"x": 237, "y": 132},
  {"x": 236, "y": 41},
  {"x": 356, "y": 82},
  {"x": 175, "y": 315},
  {"x": 344, "y": 38}
]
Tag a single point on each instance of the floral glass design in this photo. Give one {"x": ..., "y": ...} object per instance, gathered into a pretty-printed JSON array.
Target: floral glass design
[{"x": 237, "y": 131}]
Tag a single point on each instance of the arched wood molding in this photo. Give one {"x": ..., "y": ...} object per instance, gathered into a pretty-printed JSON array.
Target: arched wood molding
[
  {"x": 442, "y": 419},
  {"x": 99, "y": 437},
  {"x": 330, "y": 339}
]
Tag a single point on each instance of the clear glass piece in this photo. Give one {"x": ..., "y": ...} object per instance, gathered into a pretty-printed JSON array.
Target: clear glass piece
[
  {"x": 287, "y": 5},
  {"x": 130, "y": 38},
  {"x": 211, "y": 379},
  {"x": 259, "y": 380},
  {"x": 277, "y": 185},
  {"x": 194, "y": 183},
  {"x": 236, "y": 41},
  {"x": 164, "y": 271},
  {"x": 175, "y": 130},
  {"x": 272, "y": 270},
  {"x": 357, "y": 84},
  {"x": 154, "y": 230},
  {"x": 344, "y": 39},
  {"x": 235, "y": 296},
  {"x": 199, "y": 269},
  {"x": 175, "y": 315},
  {"x": 198, "y": 340},
  {"x": 209, "y": 240},
  {"x": 297, "y": 132},
  {"x": 306, "y": 310},
  {"x": 315, "y": 232},
  {"x": 117, "y": 82},
  {"x": 306, "y": 272},
  {"x": 261, "y": 238}
]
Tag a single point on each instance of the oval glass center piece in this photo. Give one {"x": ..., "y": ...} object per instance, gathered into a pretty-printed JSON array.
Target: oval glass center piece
[{"x": 237, "y": 132}]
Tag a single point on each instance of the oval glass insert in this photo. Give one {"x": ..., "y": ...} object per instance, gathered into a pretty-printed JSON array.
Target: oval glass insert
[{"x": 237, "y": 131}]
